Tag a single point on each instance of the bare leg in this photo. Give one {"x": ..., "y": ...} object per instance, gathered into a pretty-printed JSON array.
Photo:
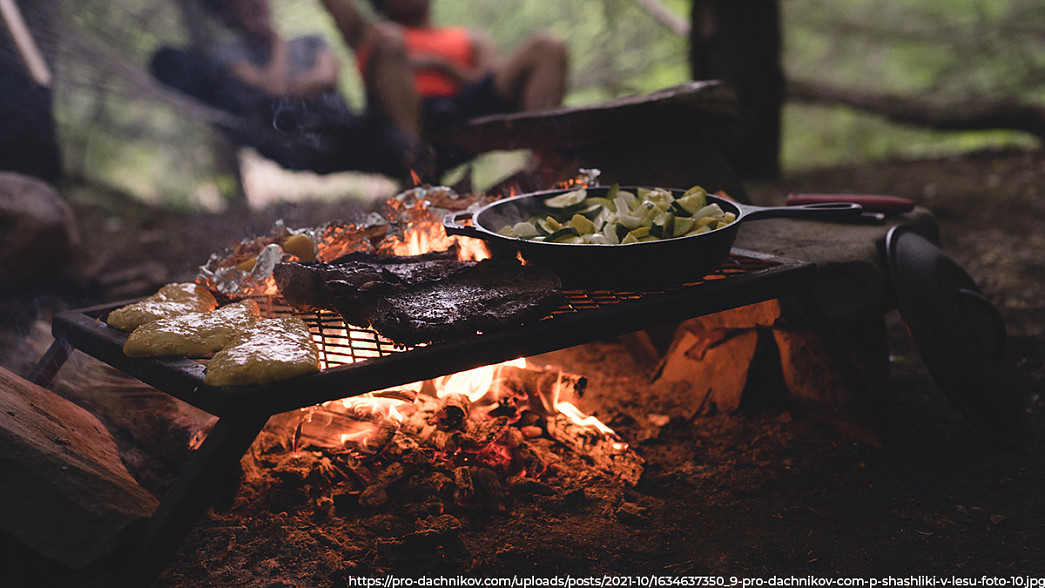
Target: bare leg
[
  {"x": 534, "y": 77},
  {"x": 390, "y": 84}
]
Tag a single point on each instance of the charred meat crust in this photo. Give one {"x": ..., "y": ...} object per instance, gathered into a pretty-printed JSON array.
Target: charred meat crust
[
  {"x": 316, "y": 285},
  {"x": 416, "y": 299}
]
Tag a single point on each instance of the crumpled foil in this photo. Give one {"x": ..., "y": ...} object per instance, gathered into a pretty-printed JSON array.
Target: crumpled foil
[
  {"x": 378, "y": 231},
  {"x": 588, "y": 176},
  {"x": 234, "y": 282}
]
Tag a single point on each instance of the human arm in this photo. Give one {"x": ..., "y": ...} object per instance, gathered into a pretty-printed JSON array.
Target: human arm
[
  {"x": 273, "y": 77},
  {"x": 303, "y": 66},
  {"x": 323, "y": 75},
  {"x": 352, "y": 24}
]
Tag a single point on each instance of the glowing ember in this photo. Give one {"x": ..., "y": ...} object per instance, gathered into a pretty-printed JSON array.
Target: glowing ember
[{"x": 483, "y": 415}]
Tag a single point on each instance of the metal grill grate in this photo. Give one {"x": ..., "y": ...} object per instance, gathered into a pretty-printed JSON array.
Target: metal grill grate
[{"x": 341, "y": 344}]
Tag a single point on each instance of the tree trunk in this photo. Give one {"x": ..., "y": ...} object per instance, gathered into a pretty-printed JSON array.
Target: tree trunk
[{"x": 738, "y": 41}]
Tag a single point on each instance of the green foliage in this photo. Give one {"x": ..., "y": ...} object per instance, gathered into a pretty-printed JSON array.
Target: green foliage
[{"x": 944, "y": 50}]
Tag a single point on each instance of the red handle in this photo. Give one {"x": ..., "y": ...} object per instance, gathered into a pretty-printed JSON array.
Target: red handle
[{"x": 870, "y": 202}]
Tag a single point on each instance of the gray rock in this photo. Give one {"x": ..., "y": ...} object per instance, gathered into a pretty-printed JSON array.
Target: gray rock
[{"x": 38, "y": 233}]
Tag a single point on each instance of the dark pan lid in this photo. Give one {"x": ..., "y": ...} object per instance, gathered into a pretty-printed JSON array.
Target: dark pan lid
[{"x": 958, "y": 332}]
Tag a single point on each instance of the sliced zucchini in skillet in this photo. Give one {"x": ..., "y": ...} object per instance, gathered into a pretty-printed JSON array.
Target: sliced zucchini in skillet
[
  {"x": 592, "y": 212},
  {"x": 567, "y": 201},
  {"x": 660, "y": 198},
  {"x": 663, "y": 225},
  {"x": 583, "y": 225},
  {"x": 638, "y": 233},
  {"x": 600, "y": 201},
  {"x": 713, "y": 210},
  {"x": 692, "y": 201},
  {"x": 683, "y": 225},
  {"x": 525, "y": 230},
  {"x": 562, "y": 235},
  {"x": 547, "y": 225}
]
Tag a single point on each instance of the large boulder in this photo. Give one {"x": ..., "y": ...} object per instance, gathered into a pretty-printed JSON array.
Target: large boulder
[{"x": 38, "y": 234}]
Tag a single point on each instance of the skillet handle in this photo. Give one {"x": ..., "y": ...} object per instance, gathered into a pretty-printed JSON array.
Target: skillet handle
[
  {"x": 453, "y": 226},
  {"x": 871, "y": 202},
  {"x": 819, "y": 211}
]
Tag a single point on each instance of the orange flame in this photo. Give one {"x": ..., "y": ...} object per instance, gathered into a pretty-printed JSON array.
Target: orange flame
[{"x": 431, "y": 236}]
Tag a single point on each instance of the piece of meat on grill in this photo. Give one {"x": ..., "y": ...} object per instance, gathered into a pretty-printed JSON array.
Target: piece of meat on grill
[
  {"x": 266, "y": 351},
  {"x": 488, "y": 296},
  {"x": 415, "y": 299},
  {"x": 356, "y": 277}
]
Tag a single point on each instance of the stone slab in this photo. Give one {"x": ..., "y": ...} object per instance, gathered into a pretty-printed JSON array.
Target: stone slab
[{"x": 852, "y": 281}]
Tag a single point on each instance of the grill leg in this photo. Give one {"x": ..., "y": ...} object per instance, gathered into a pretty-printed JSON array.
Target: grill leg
[
  {"x": 46, "y": 369},
  {"x": 189, "y": 498}
]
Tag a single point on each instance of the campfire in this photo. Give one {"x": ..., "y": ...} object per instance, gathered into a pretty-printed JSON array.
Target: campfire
[
  {"x": 456, "y": 427},
  {"x": 467, "y": 440},
  {"x": 481, "y": 431}
]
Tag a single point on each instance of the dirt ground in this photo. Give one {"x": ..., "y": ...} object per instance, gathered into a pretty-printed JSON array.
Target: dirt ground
[{"x": 756, "y": 494}]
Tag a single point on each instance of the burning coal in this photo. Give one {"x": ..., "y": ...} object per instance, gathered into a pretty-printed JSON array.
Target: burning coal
[{"x": 492, "y": 417}]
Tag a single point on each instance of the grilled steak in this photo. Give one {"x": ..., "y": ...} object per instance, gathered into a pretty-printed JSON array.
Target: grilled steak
[
  {"x": 355, "y": 278},
  {"x": 414, "y": 299},
  {"x": 489, "y": 296}
]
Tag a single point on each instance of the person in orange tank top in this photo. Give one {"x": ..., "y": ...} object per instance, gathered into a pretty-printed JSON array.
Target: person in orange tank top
[{"x": 424, "y": 77}]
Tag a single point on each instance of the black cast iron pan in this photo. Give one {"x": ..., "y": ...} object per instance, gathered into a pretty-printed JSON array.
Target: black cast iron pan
[{"x": 639, "y": 265}]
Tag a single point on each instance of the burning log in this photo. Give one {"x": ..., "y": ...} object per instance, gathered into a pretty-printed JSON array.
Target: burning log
[
  {"x": 455, "y": 408},
  {"x": 607, "y": 452},
  {"x": 710, "y": 360},
  {"x": 543, "y": 384}
]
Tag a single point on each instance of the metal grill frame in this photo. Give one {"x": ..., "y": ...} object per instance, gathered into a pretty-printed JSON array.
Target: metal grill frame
[
  {"x": 746, "y": 278},
  {"x": 586, "y": 316}
]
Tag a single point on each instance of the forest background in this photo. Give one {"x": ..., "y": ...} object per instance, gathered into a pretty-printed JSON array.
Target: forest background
[{"x": 118, "y": 129}]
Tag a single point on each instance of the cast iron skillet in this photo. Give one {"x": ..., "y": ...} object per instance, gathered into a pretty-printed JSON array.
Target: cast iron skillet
[{"x": 635, "y": 265}]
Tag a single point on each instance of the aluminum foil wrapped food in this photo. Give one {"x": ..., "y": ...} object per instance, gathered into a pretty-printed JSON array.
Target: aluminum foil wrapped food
[{"x": 245, "y": 268}]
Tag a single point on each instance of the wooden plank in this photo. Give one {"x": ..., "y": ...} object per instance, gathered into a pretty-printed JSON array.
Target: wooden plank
[{"x": 697, "y": 104}]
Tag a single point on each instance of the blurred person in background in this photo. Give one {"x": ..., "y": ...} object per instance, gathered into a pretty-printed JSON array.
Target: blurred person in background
[
  {"x": 425, "y": 77},
  {"x": 286, "y": 91}
]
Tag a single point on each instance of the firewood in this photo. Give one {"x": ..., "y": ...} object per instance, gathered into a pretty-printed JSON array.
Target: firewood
[
  {"x": 607, "y": 452},
  {"x": 64, "y": 493},
  {"x": 453, "y": 410},
  {"x": 543, "y": 385}
]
